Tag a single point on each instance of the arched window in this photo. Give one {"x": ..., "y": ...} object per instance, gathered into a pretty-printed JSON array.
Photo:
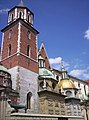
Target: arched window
[
  {"x": 29, "y": 35},
  {"x": 28, "y": 51},
  {"x": 29, "y": 100},
  {"x": 85, "y": 89},
  {"x": 10, "y": 34},
  {"x": 28, "y": 18},
  {"x": 41, "y": 62},
  {"x": 20, "y": 14},
  {"x": 41, "y": 84},
  {"x": 75, "y": 92},
  {"x": 9, "y": 50},
  {"x": 68, "y": 93},
  {"x": 53, "y": 85}
]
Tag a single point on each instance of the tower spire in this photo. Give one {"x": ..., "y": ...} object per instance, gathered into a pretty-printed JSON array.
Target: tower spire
[
  {"x": 21, "y": 4},
  {"x": 64, "y": 72}
]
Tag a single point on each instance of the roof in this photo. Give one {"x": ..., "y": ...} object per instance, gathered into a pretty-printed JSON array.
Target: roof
[
  {"x": 50, "y": 92},
  {"x": 87, "y": 82},
  {"x": 23, "y": 22},
  {"x": 22, "y": 6},
  {"x": 77, "y": 79},
  {"x": 2, "y": 68},
  {"x": 42, "y": 51},
  {"x": 70, "y": 76},
  {"x": 67, "y": 98},
  {"x": 66, "y": 84},
  {"x": 17, "y": 106},
  {"x": 45, "y": 73}
]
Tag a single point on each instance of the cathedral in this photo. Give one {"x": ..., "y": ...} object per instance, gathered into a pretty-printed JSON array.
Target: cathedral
[{"x": 27, "y": 81}]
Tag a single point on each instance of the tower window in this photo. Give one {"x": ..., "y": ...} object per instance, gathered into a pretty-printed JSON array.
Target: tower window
[
  {"x": 41, "y": 63},
  {"x": 9, "y": 50},
  {"x": 78, "y": 84},
  {"x": 28, "y": 51},
  {"x": 9, "y": 18},
  {"x": 53, "y": 85},
  {"x": 28, "y": 18},
  {"x": 20, "y": 14},
  {"x": 57, "y": 77},
  {"x": 10, "y": 34},
  {"x": 85, "y": 89},
  {"x": 12, "y": 17},
  {"x": 29, "y": 35}
]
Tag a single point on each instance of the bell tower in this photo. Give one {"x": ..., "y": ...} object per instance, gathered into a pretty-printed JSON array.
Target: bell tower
[
  {"x": 19, "y": 41},
  {"x": 19, "y": 53}
]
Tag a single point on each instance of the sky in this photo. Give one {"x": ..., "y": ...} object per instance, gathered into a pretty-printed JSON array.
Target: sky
[{"x": 64, "y": 29}]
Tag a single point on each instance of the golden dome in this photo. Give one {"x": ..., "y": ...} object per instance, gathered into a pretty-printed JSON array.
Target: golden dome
[{"x": 66, "y": 83}]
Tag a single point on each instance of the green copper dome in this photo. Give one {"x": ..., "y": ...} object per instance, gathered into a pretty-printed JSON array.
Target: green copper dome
[
  {"x": 44, "y": 73},
  {"x": 2, "y": 68}
]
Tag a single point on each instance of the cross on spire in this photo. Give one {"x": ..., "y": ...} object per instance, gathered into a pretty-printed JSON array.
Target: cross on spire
[{"x": 62, "y": 64}]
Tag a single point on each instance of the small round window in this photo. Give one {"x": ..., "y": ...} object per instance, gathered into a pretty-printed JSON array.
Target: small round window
[{"x": 68, "y": 93}]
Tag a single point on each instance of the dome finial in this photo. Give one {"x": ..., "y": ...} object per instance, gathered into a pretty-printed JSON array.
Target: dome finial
[{"x": 64, "y": 72}]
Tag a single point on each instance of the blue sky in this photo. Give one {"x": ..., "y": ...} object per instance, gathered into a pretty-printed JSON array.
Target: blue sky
[{"x": 64, "y": 28}]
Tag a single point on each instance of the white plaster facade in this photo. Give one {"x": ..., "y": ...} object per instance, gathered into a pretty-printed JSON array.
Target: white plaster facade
[{"x": 83, "y": 87}]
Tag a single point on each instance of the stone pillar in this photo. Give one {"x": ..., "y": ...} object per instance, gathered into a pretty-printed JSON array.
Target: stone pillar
[
  {"x": 5, "y": 108},
  {"x": 3, "y": 105},
  {"x": 88, "y": 113}
]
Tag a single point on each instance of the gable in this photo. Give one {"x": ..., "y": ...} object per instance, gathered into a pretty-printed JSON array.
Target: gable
[{"x": 43, "y": 53}]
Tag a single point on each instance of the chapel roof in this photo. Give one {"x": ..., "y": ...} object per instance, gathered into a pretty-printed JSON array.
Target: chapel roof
[{"x": 45, "y": 73}]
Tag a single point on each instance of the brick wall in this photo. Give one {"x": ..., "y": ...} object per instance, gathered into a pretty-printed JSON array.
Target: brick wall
[{"x": 12, "y": 41}]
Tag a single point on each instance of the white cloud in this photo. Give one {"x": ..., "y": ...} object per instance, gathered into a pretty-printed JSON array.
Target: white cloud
[
  {"x": 86, "y": 76},
  {"x": 4, "y": 10},
  {"x": 88, "y": 68},
  {"x": 77, "y": 72},
  {"x": 75, "y": 66},
  {"x": 56, "y": 60},
  {"x": 82, "y": 74},
  {"x": 66, "y": 64},
  {"x": 56, "y": 63},
  {"x": 86, "y": 36},
  {"x": 84, "y": 53}
]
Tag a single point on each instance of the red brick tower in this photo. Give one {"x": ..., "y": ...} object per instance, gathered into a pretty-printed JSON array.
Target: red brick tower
[
  {"x": 19, "y": 39},
  {"x": 19, "y": 53}
]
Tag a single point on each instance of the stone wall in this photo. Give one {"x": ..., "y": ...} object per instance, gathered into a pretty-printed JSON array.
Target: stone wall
[
  {"x": 51, "y": 103},
  {"x": 26, "y": 80},
  {"x": 18, "y": 116}
]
